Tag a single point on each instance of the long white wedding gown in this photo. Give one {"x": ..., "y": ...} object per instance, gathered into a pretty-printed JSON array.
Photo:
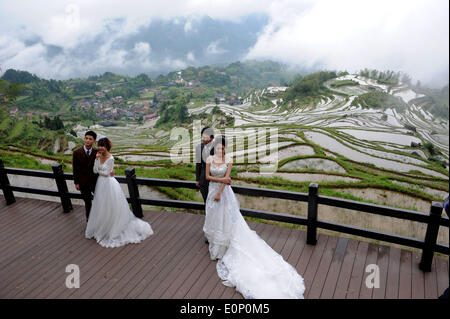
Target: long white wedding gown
[
  {"x": 111, "y": 221},
  {"x": 246, "y": 261}
]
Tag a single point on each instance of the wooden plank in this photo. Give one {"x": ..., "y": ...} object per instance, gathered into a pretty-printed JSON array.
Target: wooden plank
[
  {"x": 297, "y": 250},
  {"x": 383, "y": 264},
  {"x": 209, "y": 286},
  {"x": 167, "y": 289},
  {"x": 36, "y": 258},
  {"x": 167, "y": 258},
  {"x": 48, "y": 274},
  {"x": 209, "y": 274},
  {"x": 304, "y": 258},
  {"x": 24, "y": 216},
  {"x": 12, "y": 241},
  {"x": 13, "y": 220},
  {"x": 29, "y": 263},
  {"x": 346, "y": 269},
  {"x": 290, "y": 244},
  {"x": 281, "y": 240},
  {"x": 358, "y": 270},
  {"x": 218, "y": 290},
  {"x": 180, "y": 257},
  {"x": 113, "y": 272},
  {"x": 173, "y": 231},
  {"x": 17, "y": 212},
  {"x": 22, "y": 241},
  {"x": 442, "y": 275},
  {"x": 371, "y": 259},
  {"x": 418, "y": 279},
  {"x": 274, "y": 235},
  {"x": 314, "y": 262},
  {"x": 9, "y": 208},
  {"x": 121, "y": 261},
  {"x": 40, "y": 241},
  {"x": 237, "y": 295},
  {"x": 90, "y": 257},
  {"x": 335, "y": 267},
  {"x": 192, "y": 279},
  {"x": 142, "y": 278},
  {"x": 55, "y": 276},
  {"x": 405, "y": 282},
  {"x": 319, "y": 279},
  {"x": 431, "y": 282},
  {"x": 393, "y": 277}
]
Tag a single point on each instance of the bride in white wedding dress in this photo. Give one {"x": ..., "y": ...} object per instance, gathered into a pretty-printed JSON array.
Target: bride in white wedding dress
[
  {"x": 246, "y": 261},
  {"x": 111, "y": 221}
]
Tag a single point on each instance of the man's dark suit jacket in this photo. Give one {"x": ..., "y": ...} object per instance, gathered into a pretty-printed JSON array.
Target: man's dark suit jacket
[
  {"x": 200, "y": 167},
  {"x": 83, "y": 168}
]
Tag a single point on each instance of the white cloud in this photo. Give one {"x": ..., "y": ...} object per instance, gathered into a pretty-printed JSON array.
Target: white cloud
[
  {"x": 190, "y": 56},
  {"x": 409, "y": 36},
  {"x": 9, "y": 47},
  {"x": 142, "y": 49},
  {"x": 187, "y": 26},
  {"x": 142, "y": 55},
  {"x": 174, "y": 64},
  {"x": 214, "y": 48}
]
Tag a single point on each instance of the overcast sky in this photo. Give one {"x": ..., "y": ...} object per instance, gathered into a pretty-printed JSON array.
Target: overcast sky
[{"x": 66, "y": 39}]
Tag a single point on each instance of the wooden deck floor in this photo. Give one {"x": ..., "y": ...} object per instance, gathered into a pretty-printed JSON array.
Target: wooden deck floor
[{"x": 38, "y": 241}]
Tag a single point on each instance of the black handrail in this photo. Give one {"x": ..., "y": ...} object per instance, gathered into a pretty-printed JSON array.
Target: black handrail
[{"x": 429, "y": 245}]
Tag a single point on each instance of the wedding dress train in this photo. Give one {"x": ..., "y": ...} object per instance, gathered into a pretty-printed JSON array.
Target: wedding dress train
[
  {"x": 111, "y": 221},
  {"x": 246, "y": 261}
]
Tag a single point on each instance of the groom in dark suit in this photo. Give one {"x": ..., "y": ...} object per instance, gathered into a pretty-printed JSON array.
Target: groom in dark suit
[
  {"x": 202, "y": 151},
  {"x": 83, "y": 174}
]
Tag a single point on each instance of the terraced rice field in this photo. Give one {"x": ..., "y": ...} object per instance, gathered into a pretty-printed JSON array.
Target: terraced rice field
[{"x": 355, "y": 152}]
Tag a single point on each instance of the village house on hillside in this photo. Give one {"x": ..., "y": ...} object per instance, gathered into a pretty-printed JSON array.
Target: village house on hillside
[
  {"x": 220, "y": 97},
  {"x": 99, "y": 94},
  {"x": 180, "y": 79},
  {"x": 117, "y": 99},
  {"x": 84, "y": 105},
  {"x": 43, "y": 115},
  {"x": 231, "y": 100},
  {"x": 13, "y": 111},
  {"x": 150, "y": 116},
  {"x": 29, "y": 115},
  {"x": 273, "y": 90}
]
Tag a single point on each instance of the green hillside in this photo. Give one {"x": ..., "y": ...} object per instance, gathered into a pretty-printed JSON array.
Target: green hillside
[{"x": 29, "y": 134}]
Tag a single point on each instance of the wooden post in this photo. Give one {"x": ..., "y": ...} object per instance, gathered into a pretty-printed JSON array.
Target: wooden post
[
  {"x": 134, "y": 192},
  {"x": 311, "y": 232},
  {"x": 6, "y": 187},
  {"x": 62, "y": 187},
  {"x": 431, "y": 237}
]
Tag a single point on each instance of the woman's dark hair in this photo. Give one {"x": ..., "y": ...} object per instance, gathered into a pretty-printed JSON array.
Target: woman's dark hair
[
  {"x": 221, "y": 140},
  {"x": 105, "y": 142},
  {"x": 91, "y": 133},
  {"x": 209, "y": 131}
]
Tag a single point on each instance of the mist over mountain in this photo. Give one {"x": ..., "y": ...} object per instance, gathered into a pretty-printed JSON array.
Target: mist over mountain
[
  {"x": 160, "y": 47},
  {"x": 59, "y": 40}
]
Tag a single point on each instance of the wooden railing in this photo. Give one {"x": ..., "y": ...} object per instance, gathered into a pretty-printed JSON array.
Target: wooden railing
[{"x": 428, "y": 245}]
